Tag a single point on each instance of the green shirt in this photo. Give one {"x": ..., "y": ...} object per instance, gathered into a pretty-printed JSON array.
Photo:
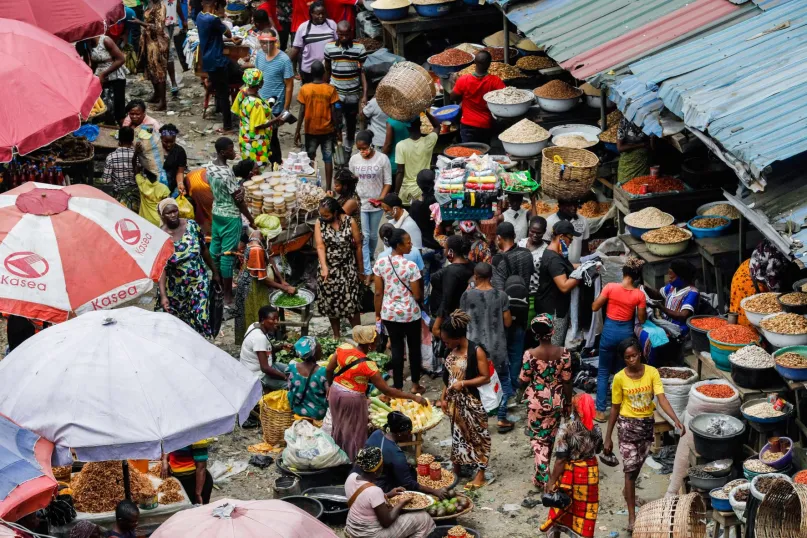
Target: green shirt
[
  {"x": 415, "y": 155},
  {"x": 131, "y": 3},
  {"x": 223, "y": 184}
]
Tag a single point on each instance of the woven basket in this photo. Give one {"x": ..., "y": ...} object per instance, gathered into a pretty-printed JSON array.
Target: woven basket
[
  {"x": 783, "y": 513},
  {"x": 680, "y": 516},
  {"x": 568, "y": 181},
  {"x": 274, "y": 424},
  {"x": 405, "y": 92}
]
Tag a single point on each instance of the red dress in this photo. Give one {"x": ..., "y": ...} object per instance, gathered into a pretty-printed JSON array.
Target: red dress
[
  {"x": 270, "y": 7},
  {"x": 342, "y": 10},
  {"x": 299, "y": 13}
]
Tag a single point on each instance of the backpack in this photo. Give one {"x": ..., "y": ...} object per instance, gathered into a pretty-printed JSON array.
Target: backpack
[{"x": 519, "y": 293}]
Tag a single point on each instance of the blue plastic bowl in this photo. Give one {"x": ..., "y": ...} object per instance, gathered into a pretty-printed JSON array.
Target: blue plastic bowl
[
  {"x": 610, "y": 147},
  {"x": 446, "y": 113},
  {"x": 793, "y": 374},
  {"x": 637, "y": 232},
  {"x": 709, "y": 232},
  {"x": 446, "y": 70},
  {"x": 434, "y": 10},
  {"x": 722, "y": 505},
  {"x": 395, "y": 14}
]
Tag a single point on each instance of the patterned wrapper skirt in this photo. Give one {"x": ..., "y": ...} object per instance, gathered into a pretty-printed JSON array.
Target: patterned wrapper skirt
[
  {"x": 581, "y": 481},
  {"x": 635, "y": 437}
]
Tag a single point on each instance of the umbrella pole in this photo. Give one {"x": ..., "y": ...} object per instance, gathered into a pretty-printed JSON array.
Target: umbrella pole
[{"x": 127, "y": 488}]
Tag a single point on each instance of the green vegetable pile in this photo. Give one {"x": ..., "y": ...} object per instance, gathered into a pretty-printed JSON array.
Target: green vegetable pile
[
  {"x": 448, "y": 506},
  {"x": 328, "y": 346},
  {"x": 290, "y": 301},
  {"x": 381, "y": 359}
]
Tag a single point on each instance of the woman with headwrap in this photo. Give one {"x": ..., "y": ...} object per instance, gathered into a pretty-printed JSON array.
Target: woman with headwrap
[
  {"x": 370, "y": 515},
  {"x": 349, "y": 373},
  {"x": 184, "y": 287},
  {"x": 547, "y": 375},
  {"x": 308, "y": 383},
  {"x": 764, "y": 271},
  {"x": 677, "y": 302},
  {"x": 255, "y": 115},
  {"x": 396, "y": 471},
  {"x": 466, "y": 369},
  {"x": 480, "y": 249},
  {"x": 576, "y": 473},
  {"x": 85, "y": 529}
]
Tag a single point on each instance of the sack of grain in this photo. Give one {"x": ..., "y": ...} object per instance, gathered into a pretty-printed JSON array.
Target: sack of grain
[
  {"x": 677, "y": 392},
  {"x": 405, "y": 92}
]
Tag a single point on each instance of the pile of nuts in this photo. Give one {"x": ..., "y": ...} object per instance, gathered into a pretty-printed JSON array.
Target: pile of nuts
[
  {"x": 573, "y": 141},
  {"x": 673, "y": 373},
  {"x": 451, "y": 57},
  {"x": 649, "y": 217},
  {"x": 765, "y": 483},
  {"x": 723, "y": 210},
  {"x": 542, "y": 208},
  {"x": 667, "y": 235},
  {"x": 752, "y": 357},
  {"x": 756, "y": 466},
  {"x": 708, "y": 222},
  {"x": 795, "y": 298},
  {"x": 785, "y": 324},
  {"x": 508, "y": 96},
  {"x": 762, "y": 303},
  {"x": 446, "y": 479},
  {"x": 733, "y": 484},
  {"x": 763, "y": 410},
  {"x": 613, "y": 119},
  {"x": 792, "y": 360},
  {"x": 592, "y": 209},
  {"x": 557, "y": 89},
  {"x": 719, "y": 494},
  {"x": 502, "y": 70},
  {"x": 497, "y": 53},
  {"x": 742, "y": 495},
  {"x": 524, "y": 132},
  {"x": 534, "y": 63},
  {"x": 771, "y": 456}
]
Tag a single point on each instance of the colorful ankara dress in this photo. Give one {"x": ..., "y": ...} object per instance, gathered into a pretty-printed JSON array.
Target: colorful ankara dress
[
  {"x": 347, "y": 401},
  {"x": 187, "y": 282},
  {"x": 253, "y": 140},
  {"x": 545, "y": 408},
  {"x": 580, "y": 479}
]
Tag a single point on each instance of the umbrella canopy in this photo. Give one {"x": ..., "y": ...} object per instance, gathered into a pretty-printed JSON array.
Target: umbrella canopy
[
  {"x": 125, "y": 384},
  {"x": 71, "y": 20},
  {"x": 248, "y": 519},
  {"x": 46, "y": 87},
  {"x": 70, "y": 250},
  {"x": 26, "y": 481}
]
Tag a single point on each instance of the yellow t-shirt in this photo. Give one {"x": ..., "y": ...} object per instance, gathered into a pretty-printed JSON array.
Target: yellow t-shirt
[
  {"x": 636, "y": 395},
  {"x": 150, "y": 196}
]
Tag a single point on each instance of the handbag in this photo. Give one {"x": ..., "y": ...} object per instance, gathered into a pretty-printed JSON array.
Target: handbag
[{"x": 215, "y": 308}]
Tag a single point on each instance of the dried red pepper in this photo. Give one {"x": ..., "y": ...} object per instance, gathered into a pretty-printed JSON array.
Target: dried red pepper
[
  {"x": 654, "y": 184},
  {"x": 451, "y": 57},
  {"x": 708, "y": 324},
  {"x": 716, "y": 391},
  {"x": 734, "y": 334},
  {"x": 459, "y": 151}
]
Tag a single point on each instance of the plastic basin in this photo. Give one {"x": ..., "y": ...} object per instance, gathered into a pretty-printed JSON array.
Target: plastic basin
[
  {"x": 558, "y": 105},
  {"x": 793, "y": 374},
  {"x": 514, "y": 110},
  {"x": 638, "y": 232},
  {"x": 722, "y": 505},
  {"x": 446, "y": 113},
  {"x": 434, "y": 10},
  {"x": 792, "y": 308},
  {"x": 758, "y": 420},
  {"x": 754, "y": 378},
  {"x": 576, "y": 128},
  {"x": 720, "y": 352},
  {"x": 785, "y": 460},
  {"x": 712, "y": 446},
  {"x": 524, "y": 150},
  {"x": 708, "y": 484},
  {"x": 484, "y": 148},
  {"x": 753, "y": 317},
  {"x": 307, "y": 504},
  {"x": 699, "y": 338},
  {"x": 335, "y": 512},
  {"x": 780, "y": 339},
  {"x": 395, "y": 14},
  {"x": 668, "y": 249},
  {"x": 709, "y": 232}
]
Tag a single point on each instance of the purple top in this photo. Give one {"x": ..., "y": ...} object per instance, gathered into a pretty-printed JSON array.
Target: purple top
[{"x": 313, "y": 41}]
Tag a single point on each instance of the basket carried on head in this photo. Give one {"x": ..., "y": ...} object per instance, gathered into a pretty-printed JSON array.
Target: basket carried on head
[
  {"x": 783, "y": 513},
  {"x": 572, "y": 179},
  {"x": 679, "y": 516},
  {"x": 405, "y": 92},
  {"x": 276, "y": 417}
]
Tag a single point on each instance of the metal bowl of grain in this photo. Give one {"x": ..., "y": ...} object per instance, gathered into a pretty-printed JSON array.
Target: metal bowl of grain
[
  {"x": 575, "y": 140},
  {"x": 667, "y": 241}
]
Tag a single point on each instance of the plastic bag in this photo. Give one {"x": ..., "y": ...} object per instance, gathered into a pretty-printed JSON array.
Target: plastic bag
[
  {"x": 185, "y": 207},
  {"x": 700, "y": 403},
  {"x": 612, "y": 264},
  {"x": 557, "y": 499},
  {"x": 378, "y": 64},
  {"x": 491, "y": 393},
  {"x": 426, "y": 355},
  {"x": 677, "y": 392},
  {"x": 308, "y": 447},
  {"x": 327, "y": 423}
]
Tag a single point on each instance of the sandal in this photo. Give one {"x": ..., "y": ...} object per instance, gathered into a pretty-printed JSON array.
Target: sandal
[
  {"x": 470, "y": 486},
  {"x": 505, "y": 427}
]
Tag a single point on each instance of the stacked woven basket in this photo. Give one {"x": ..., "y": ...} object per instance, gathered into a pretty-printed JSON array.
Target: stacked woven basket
[
  {"x": 783, "y": 513},
  {"x": 568, "y": 173},
  {"x": 405, "y": 92},
  {"x": 679, "y": 516}
]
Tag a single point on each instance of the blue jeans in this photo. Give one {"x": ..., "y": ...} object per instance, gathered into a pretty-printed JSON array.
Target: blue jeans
[
  {"x": 613, "y": 332},
  {"x": 370, "y": 222},
  {"x": 507, "y": 387},
  {"x": 515, "y": 355}
]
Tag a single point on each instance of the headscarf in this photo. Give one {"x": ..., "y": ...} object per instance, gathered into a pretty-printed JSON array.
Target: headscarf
[
  {"x": 253, "y": 77},
  {"x": 541, "y": 325},
  {"x": 369, "y": 459},
  {"x": 306, "y": 347},
  {"x": 584, "y": 408},
  {"x": 767, "y": 265},
  {"x": 467, "y": 226},
  {"x": 83, "y": 529},
  {"x": 364, "y": 334},
  {"x": 166, "y": 202},
  {"x": 397, "y": 422}
]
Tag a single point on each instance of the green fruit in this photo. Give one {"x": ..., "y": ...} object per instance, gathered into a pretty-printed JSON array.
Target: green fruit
[
  {"x": 441, "y": 512},
  {"x": 451, "y": 509}
]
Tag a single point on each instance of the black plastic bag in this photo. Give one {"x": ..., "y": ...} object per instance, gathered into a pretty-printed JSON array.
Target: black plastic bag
[
  {"x": 557, "y": 499},
  {"x": 215, "y": 306},
  {"x": 262, "y": 462},
  {"x": 367, "y": 298}
]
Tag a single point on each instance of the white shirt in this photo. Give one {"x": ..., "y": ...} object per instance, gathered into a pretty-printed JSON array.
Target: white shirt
[
  {"x": 373, "y": 174},
  {"x": 171, "y": 15},
  {"x": 580, "y": 226},
  {"x": 255, "y": 341},
  {"x": 411, "y": 227},
  {"x": 519, "y": 221}
]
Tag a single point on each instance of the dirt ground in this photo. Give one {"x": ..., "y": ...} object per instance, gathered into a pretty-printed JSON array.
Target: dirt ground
[{"x": 511, "y": 458}]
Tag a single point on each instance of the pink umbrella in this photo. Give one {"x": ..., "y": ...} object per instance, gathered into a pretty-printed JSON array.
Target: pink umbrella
[
  {"x": 46, "y": 88},
  {"x": 228, "y": 518},
  {"x": 71, "y": 20}
]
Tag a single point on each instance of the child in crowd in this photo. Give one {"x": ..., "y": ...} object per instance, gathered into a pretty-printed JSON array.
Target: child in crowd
[{"x": 318, "y": 101}]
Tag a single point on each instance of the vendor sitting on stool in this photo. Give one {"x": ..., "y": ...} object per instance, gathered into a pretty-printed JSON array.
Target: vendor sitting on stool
[
  {"x": 677, "y": 302},
  {"x": 396, "y": 472}
]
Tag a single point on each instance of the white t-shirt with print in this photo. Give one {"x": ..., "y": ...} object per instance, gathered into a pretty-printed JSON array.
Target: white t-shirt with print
[
  {"x": 373, "y": 174},
  {"x": 399, "y": 304},
  {"x": 255, "y": 341}
]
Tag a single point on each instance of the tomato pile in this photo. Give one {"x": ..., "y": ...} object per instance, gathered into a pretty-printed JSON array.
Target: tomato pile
[
  {"x": 654, "y": 184},
  {"x": 734, "y": 334}
]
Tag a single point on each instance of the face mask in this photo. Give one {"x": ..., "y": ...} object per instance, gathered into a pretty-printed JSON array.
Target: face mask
[
  {"x": 677, "y": 283},
  {"x": 390, "y": 215},
  {"x": 564, "y": 249}
]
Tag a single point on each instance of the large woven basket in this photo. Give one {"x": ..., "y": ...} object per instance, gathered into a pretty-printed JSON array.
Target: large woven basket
[
  {"x": 572, "y": 179},
  {"x": 679, "y": 516},
  {"x": 783, "y": 513},
  {"x": 274, "y": 424},
  {"x": 405, "y": 92}
]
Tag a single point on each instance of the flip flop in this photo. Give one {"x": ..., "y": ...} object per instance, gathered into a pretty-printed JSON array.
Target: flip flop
[
  {"x": 470, "y": 486},
  {"x": 506, "y": 429}
]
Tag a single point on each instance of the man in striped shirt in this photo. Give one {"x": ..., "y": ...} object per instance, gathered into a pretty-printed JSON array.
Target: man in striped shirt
[{"x": 344, "y": 62}]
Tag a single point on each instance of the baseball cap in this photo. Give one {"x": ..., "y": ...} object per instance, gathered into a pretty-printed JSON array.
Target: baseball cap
[{"x": 564, "y": 227}]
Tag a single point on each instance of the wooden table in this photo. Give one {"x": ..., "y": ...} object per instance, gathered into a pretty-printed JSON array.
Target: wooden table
[
  {"x": 681, "y": 205},
  {"x": 660, "y": 426},
  {"x": 398, "y": 33},
  {"x": 706, "y": 367},
  {"x": 719, "y": 258},
  {"x": 728, "y": 520},
  {"x": 655, "y": 267}
]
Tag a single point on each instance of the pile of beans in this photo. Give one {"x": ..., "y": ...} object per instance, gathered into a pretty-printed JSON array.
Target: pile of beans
[
  {"x": 763, "y": 410},
  {"x": 497, "y": 53},
  {"x": 534, "y": 63},
  {"x": 557, "y": 89},
  {"x": 649, "y": 217},
  {"x": 791, "y": 360},
  {"x": 752, "y": 357},
  {"x": 719, "y": 494},
  {"x": 785, "y": 324},
  {"x": 771, "y": 456},
  {"x": 756, "y": 466},
  {"x": 762, "y": 303},
  {"x": 796, "y": 298},
  {"x": 733, "y": 484},
  {"x": 592, "y": 209},
  {"x": 716, "y": 391},
  {"x": 709, "y": 222},
  {"x": 672, "y": 373},
  {"x": 723, "y": 210},
  {"x": 734, "y": 334},
  {"x": 666, "y": 235},
  {"x": 654, "y": 184},
  {"x": 451, "y": 57},
  {"x": 707, "y": 324}
]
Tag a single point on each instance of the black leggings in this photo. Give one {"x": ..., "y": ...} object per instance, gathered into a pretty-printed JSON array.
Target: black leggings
[
  {"x": 118, "y": 88},
  {"x": 188, "y": 482},
  {"x": 398, "y": 334},
  {"x": 221, "y": 79}
]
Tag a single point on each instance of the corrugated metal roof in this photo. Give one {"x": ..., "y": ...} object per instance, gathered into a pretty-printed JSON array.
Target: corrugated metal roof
[{"x": 651, "y": 36}]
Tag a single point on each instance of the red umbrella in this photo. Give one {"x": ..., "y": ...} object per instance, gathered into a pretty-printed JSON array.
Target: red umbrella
[
  {"x": 46, "y": 87},
  {"x": 71, "y": 20}
]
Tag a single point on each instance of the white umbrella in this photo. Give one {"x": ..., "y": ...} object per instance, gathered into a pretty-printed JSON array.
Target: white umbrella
[{"x": 124, "y": 384}]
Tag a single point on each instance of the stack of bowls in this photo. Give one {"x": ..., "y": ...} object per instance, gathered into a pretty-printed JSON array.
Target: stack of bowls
[
  {"x": 637, "y": 232},
  {"x": 755, "y": 317},
  {"x": 782, "y": 339},
  {"x": 793, "y": 374}
]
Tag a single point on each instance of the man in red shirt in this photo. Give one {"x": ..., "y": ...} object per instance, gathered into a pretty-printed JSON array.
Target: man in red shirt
[{"x": 476, "y": 124}]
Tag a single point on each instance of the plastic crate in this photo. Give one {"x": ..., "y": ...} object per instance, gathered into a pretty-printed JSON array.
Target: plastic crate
[{"x": 466, "y": 213}]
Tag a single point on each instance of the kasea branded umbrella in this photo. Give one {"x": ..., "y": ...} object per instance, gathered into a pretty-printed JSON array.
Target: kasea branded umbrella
[
  {"x": 69, "y": 250},
  {"x": 125, "y": 384},
  {"x": 26, "y": 481},
  {"x": 70, "y": 20},
  {"x": 47, "y": 87},
  {"x": 230, "y": 518}
]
